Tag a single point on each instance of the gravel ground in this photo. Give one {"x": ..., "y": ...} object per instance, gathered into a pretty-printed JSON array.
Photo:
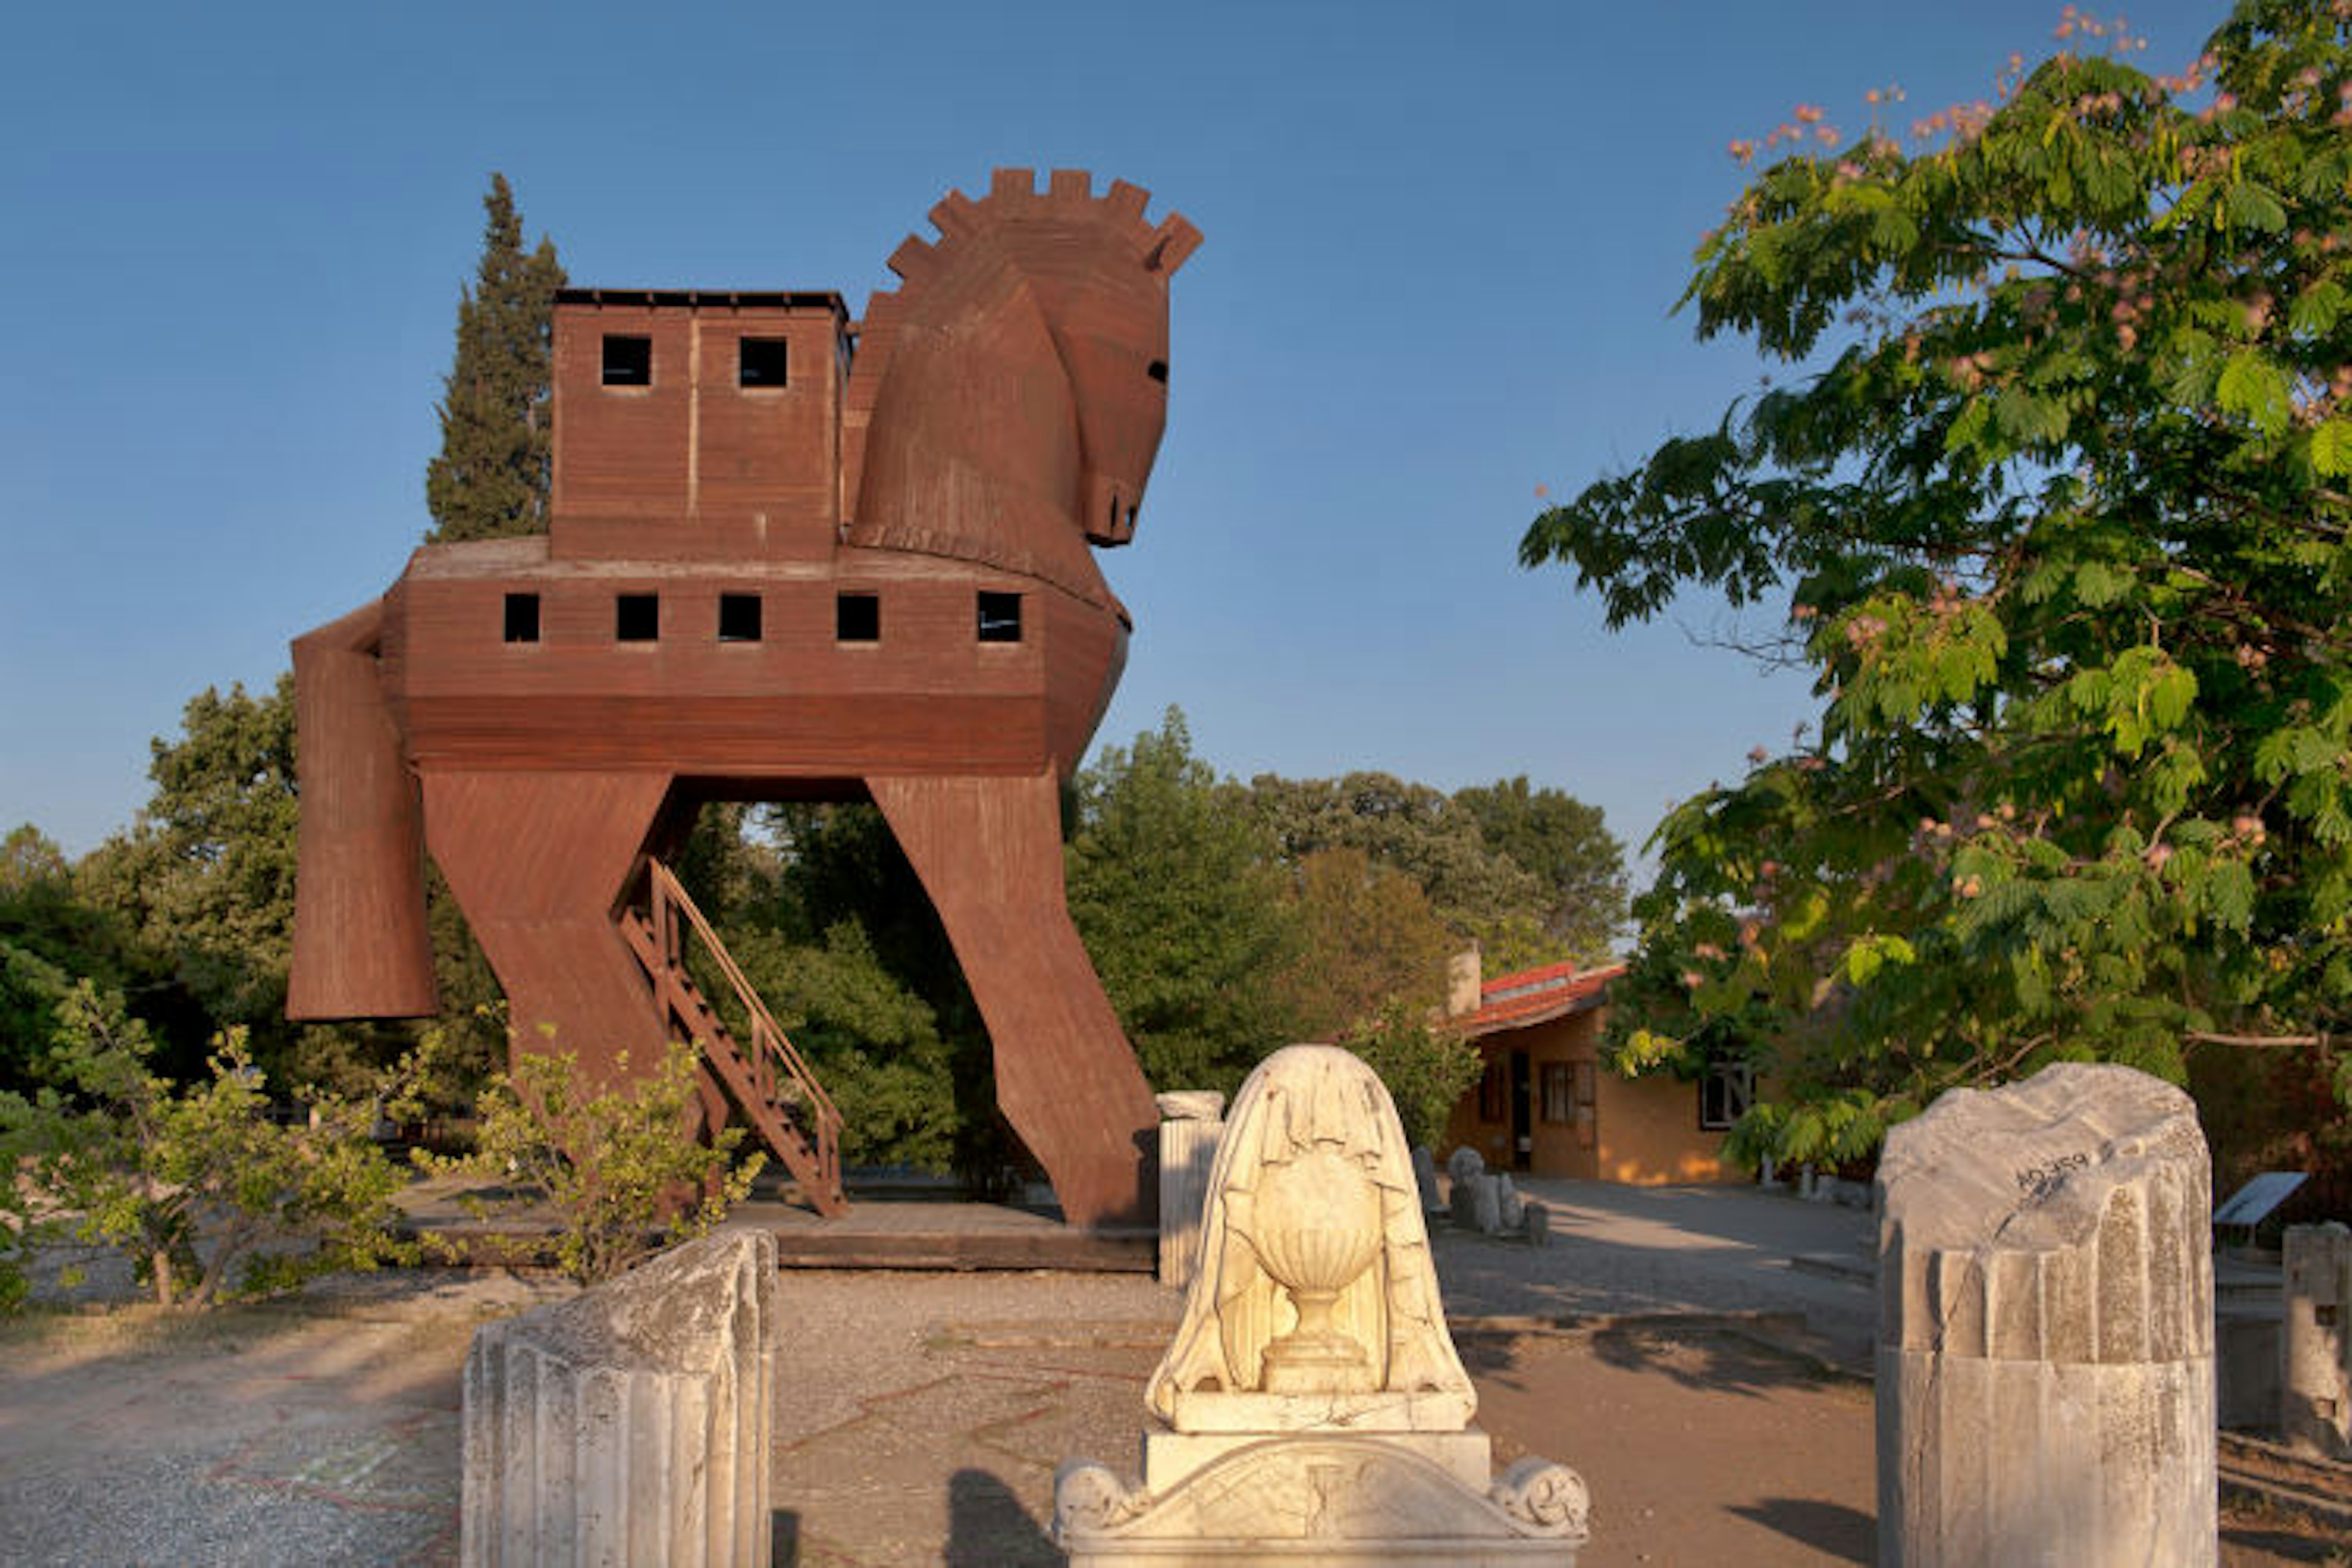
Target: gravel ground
[{"x": 921, "y": 1416}]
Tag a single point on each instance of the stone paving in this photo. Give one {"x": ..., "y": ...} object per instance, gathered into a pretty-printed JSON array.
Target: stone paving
[
  {"x": 922, "y": 1419},
  {"x": 923, "y": 1414}
]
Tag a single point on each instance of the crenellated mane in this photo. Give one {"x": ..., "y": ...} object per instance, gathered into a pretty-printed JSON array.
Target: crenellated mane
[{"x": 998, "y": 408}]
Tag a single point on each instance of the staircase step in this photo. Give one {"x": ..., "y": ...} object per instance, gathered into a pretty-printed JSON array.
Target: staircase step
[{"x": 769, "y": 1089}]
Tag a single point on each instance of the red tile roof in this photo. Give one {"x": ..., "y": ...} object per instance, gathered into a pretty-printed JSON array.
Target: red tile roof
[{"x": 1534, "y": 996}]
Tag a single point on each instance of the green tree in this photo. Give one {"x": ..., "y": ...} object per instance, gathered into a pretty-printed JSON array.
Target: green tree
[
  {"x": 190, "y": 911},
  {"x": 872, "y": 1043},
  {"x": 1367, "y": 937},
  {"x": 203, "y": 882},
  {"x": 1180, "y": 908},
  {"x": 1409, "y": 827},
  {"x": 30, "y": 860},
  {"x": 490, "y": 478},
  {"x": 198, "y": 1185},
  {"x": 48, "y": 936},
  {"x": 2059, "y": 520},
  {"x": 835, "y": 931},
  {"x": 1427, "y": 1069},
  {"x": 1477, "y": 886},
  {"x": 1572, "y": 854}
]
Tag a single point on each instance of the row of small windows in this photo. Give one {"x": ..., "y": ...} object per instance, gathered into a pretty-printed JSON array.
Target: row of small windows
[
  {"x": 857, "y": 617},
  {"x": 629, "y": 361}
]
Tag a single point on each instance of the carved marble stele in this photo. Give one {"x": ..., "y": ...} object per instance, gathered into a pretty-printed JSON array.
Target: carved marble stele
[{"x": 1312, "y": 1406}]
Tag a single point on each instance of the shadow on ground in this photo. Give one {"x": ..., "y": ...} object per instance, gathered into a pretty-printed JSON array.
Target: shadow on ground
[
  {"x": 989, "y": 1528},
  {"x": 1845, "y": 1534},
  {"x": 1711, "y": 1361},
  {"x": 2279, "y": 1544}
]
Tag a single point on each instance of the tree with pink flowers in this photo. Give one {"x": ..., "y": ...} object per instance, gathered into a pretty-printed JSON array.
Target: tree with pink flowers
[{"x": 2055, "y": 511}]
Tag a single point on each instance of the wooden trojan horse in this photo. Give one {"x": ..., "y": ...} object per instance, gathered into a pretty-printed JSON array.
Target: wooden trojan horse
[{"x": 790, "y": 556}]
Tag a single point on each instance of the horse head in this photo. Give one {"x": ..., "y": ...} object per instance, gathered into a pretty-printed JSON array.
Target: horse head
[{"x": 1018, "y": 380}]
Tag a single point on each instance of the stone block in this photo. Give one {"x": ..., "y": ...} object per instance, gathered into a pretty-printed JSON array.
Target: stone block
[
  {"x": 1170, "y": 1457},
  {"x": 1537, "y": 1225},
  {"x": 1188, "y": 1131},
  {"x": 1463, "y": 1164},
  {"x": 2045, "y": 1362},
  {"x": 630, "y": 1423},
  {"x": 1478, "y": 1203},
  {"x": 1425, "y": 1176},
  {"x": 2249, "y": 1356},
  {"x": 1510, "y": 1209},
  {"x": 2315, "y": 1364},
  {"x": 1324, "y": 1501}
]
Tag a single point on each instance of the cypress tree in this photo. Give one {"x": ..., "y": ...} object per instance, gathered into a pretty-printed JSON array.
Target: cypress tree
[{"x": 491, "y": 477}]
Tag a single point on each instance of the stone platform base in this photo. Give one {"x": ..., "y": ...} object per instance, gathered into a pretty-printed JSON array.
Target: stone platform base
[{"x": 1323, "y": 1500}]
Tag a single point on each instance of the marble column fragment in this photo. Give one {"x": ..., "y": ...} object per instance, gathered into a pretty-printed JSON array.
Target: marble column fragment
[
  {"x": 2315, "y": 1381},
  {"x": 1190, "y": 1127},
  {"x": 2045, "y": 1356},
  {"x": 630, "y": 1423}
]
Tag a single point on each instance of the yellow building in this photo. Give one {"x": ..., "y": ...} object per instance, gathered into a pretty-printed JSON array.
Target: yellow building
[{"x": 1546, "y": 1105}]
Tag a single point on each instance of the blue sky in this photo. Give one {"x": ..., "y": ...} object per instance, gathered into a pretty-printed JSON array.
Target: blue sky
[{"x": 1442, "y": 246}]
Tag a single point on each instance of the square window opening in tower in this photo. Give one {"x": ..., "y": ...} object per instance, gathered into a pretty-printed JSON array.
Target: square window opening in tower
[
  {"x": 858, "y": 617},
  {"x": 523, "y": 618},
  {"x": 637, "y": 617},
  {"x": 738, "y": 617},
  {"x": 1000, "y": 618},
  {"x": 760, "y": 362},
  {"x": 628, "y": 360}
]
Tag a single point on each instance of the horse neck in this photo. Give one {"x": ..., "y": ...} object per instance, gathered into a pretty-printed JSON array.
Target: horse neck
[{"x": 970, "y": 449}]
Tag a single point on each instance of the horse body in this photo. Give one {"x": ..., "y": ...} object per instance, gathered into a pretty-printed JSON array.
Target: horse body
[{"x": 925, "y": 627}]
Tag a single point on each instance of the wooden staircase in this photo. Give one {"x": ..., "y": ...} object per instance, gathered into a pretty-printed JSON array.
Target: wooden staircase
[{"x": 771, "y": 1083}]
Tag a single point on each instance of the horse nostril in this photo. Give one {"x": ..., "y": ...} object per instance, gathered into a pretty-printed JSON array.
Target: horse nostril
[{"x": 1157, "y": 370}]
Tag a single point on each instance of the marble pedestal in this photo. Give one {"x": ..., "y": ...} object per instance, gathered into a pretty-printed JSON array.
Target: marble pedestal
[{"x": 1312, "y": 1408}]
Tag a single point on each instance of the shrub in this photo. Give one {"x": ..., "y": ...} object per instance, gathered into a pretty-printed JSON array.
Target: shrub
[
  {"x": 205, "y": 1193},
  {"x": 1427, "y": 1070},
  {"x": 611, "y": 1164}
]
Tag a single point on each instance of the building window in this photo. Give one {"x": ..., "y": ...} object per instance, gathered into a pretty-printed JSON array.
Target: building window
[
  {"x": 637, "y": 617},
  {"x": 1000, "y": 618},
  {"x": 628, "y": 361},
  {"x": 759, "y": 361},
  {"x": 738, "y": 617},
  {"x": 1495, "y": 1092},
  {"x": 523, "y": 618},
  {"x": 1559, "y": 1093},
  {"x": 858, "y": 617},
  {"x": 1725, "y": 1095}
]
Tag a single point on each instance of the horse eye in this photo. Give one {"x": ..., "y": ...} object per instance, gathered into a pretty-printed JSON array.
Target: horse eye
[{"x": 1157, "y": 370}]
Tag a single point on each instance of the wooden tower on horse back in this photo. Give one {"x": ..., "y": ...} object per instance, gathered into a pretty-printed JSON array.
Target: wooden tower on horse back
[{"x": 775, "y": 569}]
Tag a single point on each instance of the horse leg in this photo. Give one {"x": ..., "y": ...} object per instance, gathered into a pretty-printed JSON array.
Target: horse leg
[
  {"x": 360, "y": 947},
  {"x": 989, "y": 851},
  {"x": 539, "y": 862}
]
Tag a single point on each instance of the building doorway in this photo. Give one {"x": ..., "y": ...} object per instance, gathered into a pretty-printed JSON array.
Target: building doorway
[{"x": 1523, "y": 1121}]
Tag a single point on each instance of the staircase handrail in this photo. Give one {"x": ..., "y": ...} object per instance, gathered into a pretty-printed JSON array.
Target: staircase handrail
[{"x": 670, "y": 898}]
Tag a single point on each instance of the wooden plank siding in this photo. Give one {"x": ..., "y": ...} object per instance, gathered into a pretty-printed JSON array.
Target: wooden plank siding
[{"x": 490, "y": 706}]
